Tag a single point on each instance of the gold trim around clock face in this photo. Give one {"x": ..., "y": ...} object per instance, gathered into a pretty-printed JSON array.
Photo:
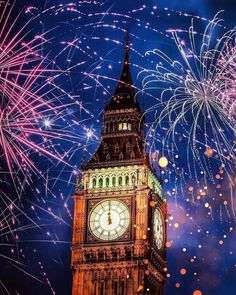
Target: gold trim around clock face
[{"x": 109, "y": 219}]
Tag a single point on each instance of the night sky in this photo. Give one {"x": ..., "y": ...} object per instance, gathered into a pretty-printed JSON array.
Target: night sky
[{"x": 85, "y": 40}]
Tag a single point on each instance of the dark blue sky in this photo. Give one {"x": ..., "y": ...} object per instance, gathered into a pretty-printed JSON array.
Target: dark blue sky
[{"x": 91, "y": 43}]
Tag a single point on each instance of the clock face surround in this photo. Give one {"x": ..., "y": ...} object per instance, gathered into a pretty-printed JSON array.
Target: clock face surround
[
  {"x": 158, "y": 229},
  {"x": 109, "y": 219}
]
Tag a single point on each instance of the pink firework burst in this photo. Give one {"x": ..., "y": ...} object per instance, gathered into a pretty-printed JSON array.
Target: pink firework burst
[{"x": 30, "y": 100}]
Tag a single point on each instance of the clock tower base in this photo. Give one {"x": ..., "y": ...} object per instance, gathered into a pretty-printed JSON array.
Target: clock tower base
[{"x": 115, "y": 278}]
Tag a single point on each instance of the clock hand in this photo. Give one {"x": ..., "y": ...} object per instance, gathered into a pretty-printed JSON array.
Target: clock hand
[
  {"x": 109, "y": 218},
  {"x": 109, "y": 213}
]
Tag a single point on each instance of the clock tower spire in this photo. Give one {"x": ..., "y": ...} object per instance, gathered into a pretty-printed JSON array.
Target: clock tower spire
[{"x": 119, "y": 230}]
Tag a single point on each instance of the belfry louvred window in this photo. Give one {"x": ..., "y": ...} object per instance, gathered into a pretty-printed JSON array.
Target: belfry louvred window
[
  {"x": 117, "y": 148},
  {"x": 105, "y": 148},
  {"x": 124, "y": 126}
]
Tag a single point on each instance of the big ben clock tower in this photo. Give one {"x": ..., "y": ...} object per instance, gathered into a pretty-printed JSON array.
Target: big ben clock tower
[{"x": 119, "y": 229}]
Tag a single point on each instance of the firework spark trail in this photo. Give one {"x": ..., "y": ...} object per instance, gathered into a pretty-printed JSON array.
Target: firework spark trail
[
  {"x": 35, "y": 120},
  {"x": 86, "y": 22},
  {"x": 95, "y": 75},
  {"x": 15, "y": 222},
  {"x": 28, "y": 98},
  {"x": 94, "y": 61},
  {"x": 226, "y": 77},
  {"x": 192, "y": 90},
  {"x": 89, "y": 36},
  {"x": 107, "y": 19}
]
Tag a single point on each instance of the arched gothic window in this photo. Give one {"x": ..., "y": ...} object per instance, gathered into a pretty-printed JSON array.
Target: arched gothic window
[
  {"x": 94, "y": 182},
  {"x": 128, "y": 147},
  {"x": 117, "y": 148},
  {"x": 113, "y": 181},
  {"x": 114, "y": 255},
  {"x": 111, "y": 126},
  {"x": 107, "y": 181},
  {"x": 133, "y": 180},
  {"x": 87, "y": 257},
  {"x": 128, "y": 254},
  {"x": 120, "y": 181},
  {"x": 100, "y": 182},
  {"x": 100, "y": 256},
  {"x": 121, "y": 157},
  {"x": 106, "y": 127},
  {"x": 96, "y": 157},
  {"x": 105, "y": 148},
  {"x": 126, "y": 180},
  {"x": 132, "y": 155}
]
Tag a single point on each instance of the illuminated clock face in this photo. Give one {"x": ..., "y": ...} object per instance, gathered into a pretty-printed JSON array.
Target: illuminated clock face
[
  {"x": 109, "y": 220},
  {"x": 158, "y": 229}
]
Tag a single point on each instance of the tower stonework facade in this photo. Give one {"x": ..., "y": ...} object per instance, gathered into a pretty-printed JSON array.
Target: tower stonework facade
[{"x": 119, "y": 229}]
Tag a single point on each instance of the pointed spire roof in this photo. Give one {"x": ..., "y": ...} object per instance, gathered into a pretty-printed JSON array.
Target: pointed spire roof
[{"x": 124, "y": 95}]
